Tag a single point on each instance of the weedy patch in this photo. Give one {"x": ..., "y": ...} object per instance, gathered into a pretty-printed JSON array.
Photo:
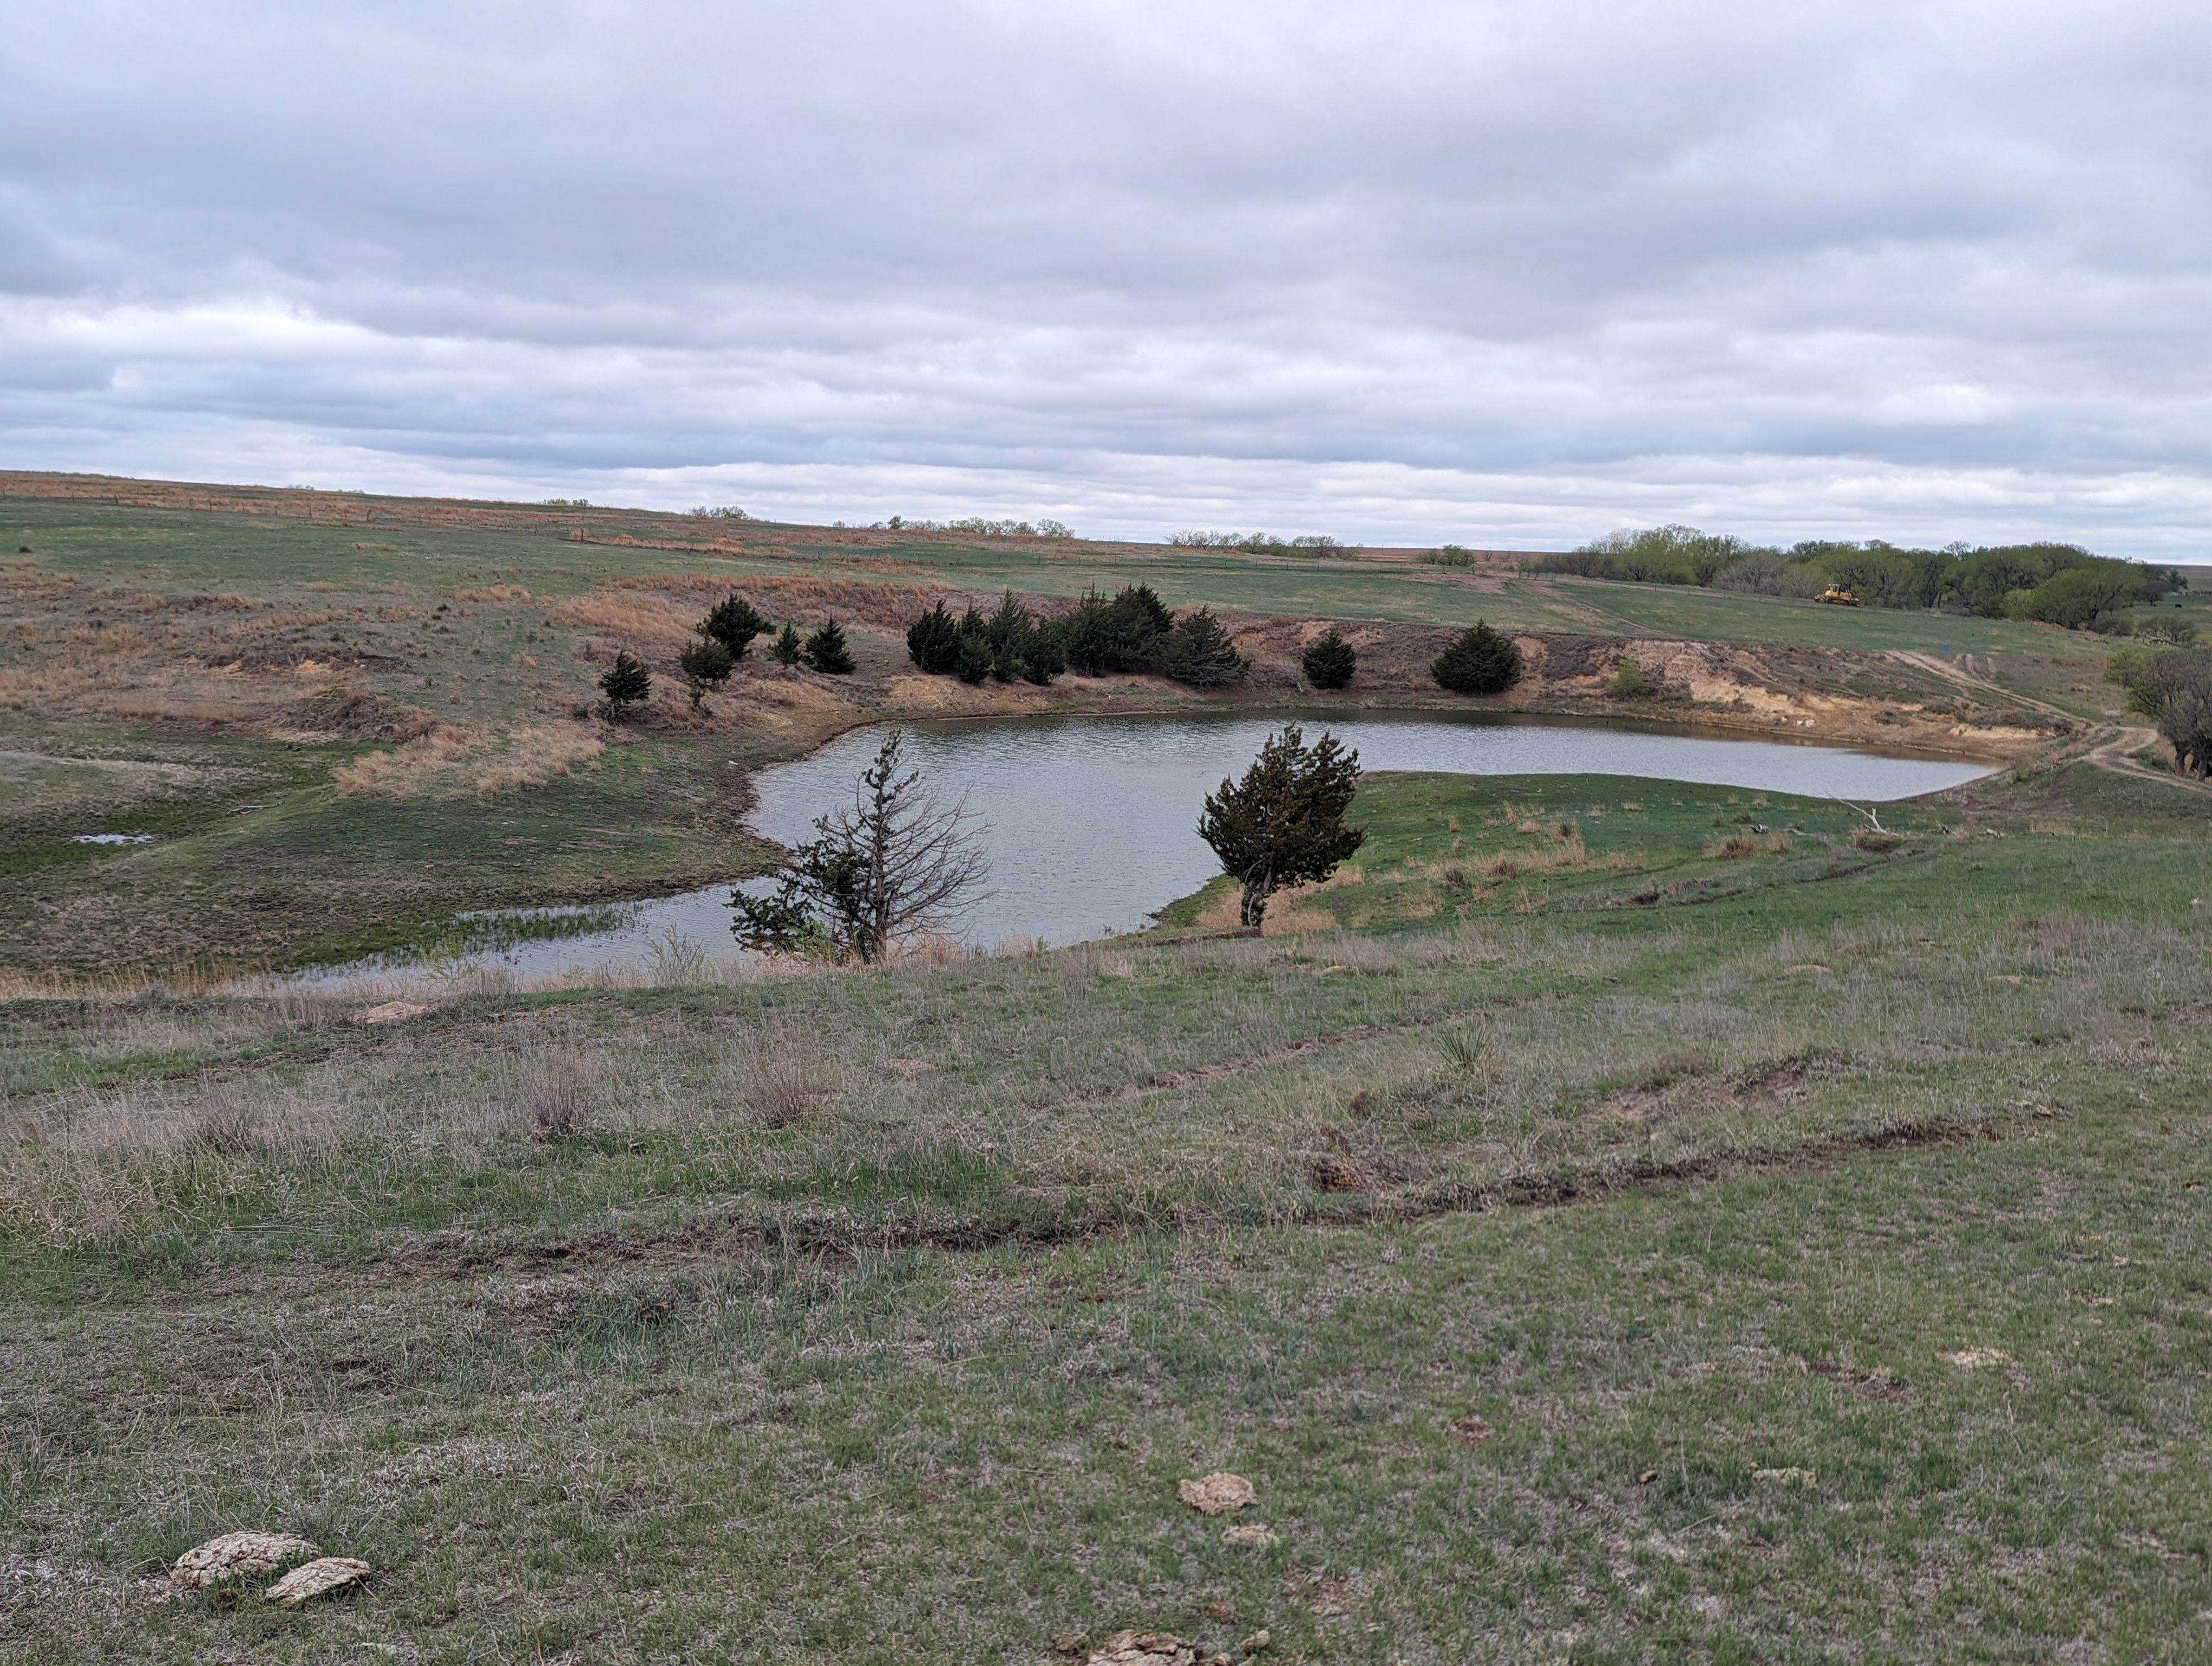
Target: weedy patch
[{"x": 561, "y": 1090}]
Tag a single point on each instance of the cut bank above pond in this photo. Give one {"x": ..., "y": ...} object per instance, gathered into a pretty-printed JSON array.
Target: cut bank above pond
[{"x": 1090, "y": 823}]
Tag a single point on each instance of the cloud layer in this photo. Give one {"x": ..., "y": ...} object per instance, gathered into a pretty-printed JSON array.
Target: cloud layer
[{"x": 1507, "y": 274}]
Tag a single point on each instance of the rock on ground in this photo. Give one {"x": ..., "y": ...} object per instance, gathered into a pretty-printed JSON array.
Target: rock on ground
[
  {"x": 1144, "y": 1649},
  {"x": 1217, "y": 1493},
  {"x": 316, "y": 1579},
  {"x": 238, "y": 1556}
]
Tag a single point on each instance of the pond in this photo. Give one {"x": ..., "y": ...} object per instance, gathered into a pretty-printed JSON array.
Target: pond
[{"x": 1092, "y": 821}]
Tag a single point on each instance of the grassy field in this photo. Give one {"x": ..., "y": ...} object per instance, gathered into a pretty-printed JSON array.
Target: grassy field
[
  {"x": 1601, "y": 1245},
  {"x": 1610, "y": 1221},
  {"x": 343, "y": 719}
]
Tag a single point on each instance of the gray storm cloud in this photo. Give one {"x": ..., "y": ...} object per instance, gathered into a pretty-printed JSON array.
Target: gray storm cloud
[{"x": 1400, "y": 272}]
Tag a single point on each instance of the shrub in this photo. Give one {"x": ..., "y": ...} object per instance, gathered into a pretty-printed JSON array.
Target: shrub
[
  {"x": 971, "y": 655},
  {"x": 1449, "y": 554},
  {"x": 789, "y": 650},
  {"x": 1123, "y": 635},
  {"x": 626, "y": 682},
  {"x": 2173, "y": 689},
  {"x": 933, "y": 641},
  {"x": 1329, "y": 661},
  {"x": 733, "y": 623},
  {"x": 1199, "y": 651},
  {"x": 1480, "y": 662},
  {"x": 1629, "y": 681},
  {"x": 705, "y": 661},
  {"x": 827, "y": 653}
]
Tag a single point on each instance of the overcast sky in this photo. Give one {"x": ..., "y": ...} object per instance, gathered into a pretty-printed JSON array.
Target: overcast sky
[{"x": 1510, "y": 275}]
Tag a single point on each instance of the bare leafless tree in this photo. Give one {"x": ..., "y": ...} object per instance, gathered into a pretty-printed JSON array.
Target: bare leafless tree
[{"x": 896, "y": 863}]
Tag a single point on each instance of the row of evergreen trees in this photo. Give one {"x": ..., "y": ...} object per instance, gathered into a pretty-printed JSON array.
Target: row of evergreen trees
[
  {"x": 729, "y": 630},
  {"x": 1133, "y": 631},
  {"x": 1136, "y": 631},
  {"x": 725, "y": 634}
]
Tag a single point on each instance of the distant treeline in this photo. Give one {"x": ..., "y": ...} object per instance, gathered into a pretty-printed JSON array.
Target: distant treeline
[
  {"x": 2058, "y": 583},
  {"x": 1264, "y": 544}
]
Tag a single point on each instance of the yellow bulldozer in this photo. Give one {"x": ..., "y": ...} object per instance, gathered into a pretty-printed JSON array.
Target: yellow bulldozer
[{"x": 1838, "y": 595}]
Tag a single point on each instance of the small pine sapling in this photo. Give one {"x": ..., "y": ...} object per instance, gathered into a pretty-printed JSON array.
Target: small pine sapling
[
  {"x": 626, "y": 682},
  {"x": 1329, "y": 661},
  {"x": 827, "y": 653},
  {"x": 705, "y": 663}
]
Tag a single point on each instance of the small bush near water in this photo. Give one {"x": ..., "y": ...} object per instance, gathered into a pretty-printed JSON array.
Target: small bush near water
[
  {"x": 1479, "y": 662},
  {"x": 1329, "y": 661},
  {"x": 1629, "y": 682}
]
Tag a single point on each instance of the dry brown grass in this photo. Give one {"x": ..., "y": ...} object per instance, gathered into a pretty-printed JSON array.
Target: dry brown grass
[
  {"x": 637, "y": 621},
  {"x": 451, "y": 760},
  {"x": 492, "y": 593},
  {"x": 562, "y": 1091},
  {"x": 1728, "y": 846},
  {"x": 778, "y": 1076},
  {"x": 535, "y": 755},
  {"x": 882, "y": 606}
]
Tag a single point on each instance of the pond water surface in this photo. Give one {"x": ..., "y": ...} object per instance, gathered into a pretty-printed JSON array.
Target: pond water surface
[{"x": 1091, "y": 822}]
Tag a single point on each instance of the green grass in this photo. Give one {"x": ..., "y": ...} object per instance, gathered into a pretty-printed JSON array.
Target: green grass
[
  {"x": 1720, "y": 616},
  {"x": 1624, "y": 1221},
  {"x": 874, "y": 1316},
  {"x": 260, "y": 863}
]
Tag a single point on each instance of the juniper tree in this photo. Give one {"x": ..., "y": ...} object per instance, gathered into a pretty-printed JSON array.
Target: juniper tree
[
  {"x": 1200, "y": 651},
  {"x": 971, "y": 656},
  {"x": 933, "y": 641},
  {"x": 1121, "y": 634},
  {"x": 733, "y": 623},
  {"x": 1329, "y": 661},
  {"x": 827, "y": 653},
  {"x": 1283, "y": 823},
  {"x": 789, "y": 650},
  {"x": 703, "y": 662},
  {"x": 895, "y": 863},
  {"x": 1479, "y": 661},
  {"x": 626, "y": 682},
  {"x": 1019, "y": 647}
]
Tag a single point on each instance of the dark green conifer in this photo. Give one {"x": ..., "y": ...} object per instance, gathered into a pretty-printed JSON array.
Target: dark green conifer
[
  {"x": 1480, "y": 662},
  {"x": 1329, "y": 661},
  {"x": 827, "y": 653}
]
